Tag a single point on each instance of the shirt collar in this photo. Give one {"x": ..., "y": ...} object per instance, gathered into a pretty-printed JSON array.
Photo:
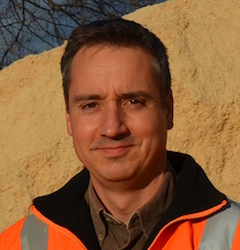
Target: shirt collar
[{"x": 148, "y": 215}]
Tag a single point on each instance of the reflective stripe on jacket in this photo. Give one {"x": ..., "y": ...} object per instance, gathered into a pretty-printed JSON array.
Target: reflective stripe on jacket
[
  {"x": 221, "y": 232},
  {"x": 200, "y": 217}
]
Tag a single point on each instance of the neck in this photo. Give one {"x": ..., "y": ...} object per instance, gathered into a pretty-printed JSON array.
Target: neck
[{"x": 122, "y": 200}]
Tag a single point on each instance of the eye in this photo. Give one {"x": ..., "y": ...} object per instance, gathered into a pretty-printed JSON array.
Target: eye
[
  {"x": 89, "y": 106},
  {"x": 136, "y": 102}
]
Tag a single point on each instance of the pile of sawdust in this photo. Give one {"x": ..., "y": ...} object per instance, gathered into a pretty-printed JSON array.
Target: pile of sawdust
[{"x": 203, "y": 43}]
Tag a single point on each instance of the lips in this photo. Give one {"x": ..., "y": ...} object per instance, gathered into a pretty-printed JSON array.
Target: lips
[{"x": 114, "y": 151}]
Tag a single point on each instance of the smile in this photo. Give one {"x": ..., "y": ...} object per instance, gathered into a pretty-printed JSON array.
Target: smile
[{"x": 115, "y": 152}]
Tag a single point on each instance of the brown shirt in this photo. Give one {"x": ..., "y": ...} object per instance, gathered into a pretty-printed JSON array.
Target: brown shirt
[{"x": 113, "y": 234}]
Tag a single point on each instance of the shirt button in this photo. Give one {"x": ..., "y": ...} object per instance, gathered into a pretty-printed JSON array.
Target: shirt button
[
  {"x": 108, "y": 220},
  {"x": 100, "y": 237}
]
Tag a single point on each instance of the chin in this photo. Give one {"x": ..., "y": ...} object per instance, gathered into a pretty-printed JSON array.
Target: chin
[{"x": 119, "y": 175}]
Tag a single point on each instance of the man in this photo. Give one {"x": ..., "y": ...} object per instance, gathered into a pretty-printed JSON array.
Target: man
[{"x": 133, "y": 194}]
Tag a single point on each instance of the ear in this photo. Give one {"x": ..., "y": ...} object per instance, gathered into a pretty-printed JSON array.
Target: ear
[
  {"x": 68, "y": 120},
  {"x": 169, "y": 110}
]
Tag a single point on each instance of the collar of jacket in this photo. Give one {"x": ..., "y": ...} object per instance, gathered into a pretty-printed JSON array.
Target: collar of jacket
[
  {"x": 193, "y": 191},
  {"x": 68, "y": 208}
]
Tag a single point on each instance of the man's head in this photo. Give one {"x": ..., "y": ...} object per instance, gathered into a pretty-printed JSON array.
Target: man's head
[
  {"x": 118, "y": 33},
  {"x": 119, "y": 102}
]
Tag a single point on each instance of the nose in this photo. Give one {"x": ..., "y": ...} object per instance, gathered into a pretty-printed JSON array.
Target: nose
[{"x": 113, "y": 123}]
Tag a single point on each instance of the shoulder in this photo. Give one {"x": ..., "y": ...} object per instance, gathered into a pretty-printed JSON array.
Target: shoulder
[
  {"x": 228, "y": 217},
  {"x": 11, "y": 238},
  {"x": 232, "y": 211},
  {"x": 222, "y": 228}
]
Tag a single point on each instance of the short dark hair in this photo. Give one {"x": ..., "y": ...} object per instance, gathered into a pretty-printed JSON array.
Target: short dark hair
[{"x": 120, "y": 33}]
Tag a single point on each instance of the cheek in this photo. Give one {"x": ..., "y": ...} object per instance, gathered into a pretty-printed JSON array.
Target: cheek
[
  {"x": 82, "y": 131},
  {"x": 153, "y": 133},
  {"x": 81, "y": 141},
  {"x": 149, "y": 126}
]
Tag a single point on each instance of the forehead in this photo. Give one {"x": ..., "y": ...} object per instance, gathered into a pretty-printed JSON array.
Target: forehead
[
  {"x": 101, "y": 52},
  {"x": 100, "y": 67}
]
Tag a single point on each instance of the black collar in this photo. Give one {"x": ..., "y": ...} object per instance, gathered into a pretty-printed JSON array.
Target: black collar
[{"x": 68, "y": 208}]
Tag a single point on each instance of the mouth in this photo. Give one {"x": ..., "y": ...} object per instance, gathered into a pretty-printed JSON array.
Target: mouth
[{"x": 115, "y": 151}]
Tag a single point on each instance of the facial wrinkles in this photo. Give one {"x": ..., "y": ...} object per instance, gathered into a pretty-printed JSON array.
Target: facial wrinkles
[
  {"x": 117, "y": 133},
  {"x": 106, "y": 142}
]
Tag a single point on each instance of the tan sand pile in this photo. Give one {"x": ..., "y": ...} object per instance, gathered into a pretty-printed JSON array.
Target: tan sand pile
[{"x": 203, "y": 40}]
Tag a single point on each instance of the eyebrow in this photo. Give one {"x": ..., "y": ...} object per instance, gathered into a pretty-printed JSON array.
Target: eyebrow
[
  {"x": 87, "y": 97},
  {"x": 134, "y": 94},
  {"x": 128, "y": 95}
]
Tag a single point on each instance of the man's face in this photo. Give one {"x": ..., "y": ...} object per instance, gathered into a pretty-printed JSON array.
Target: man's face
[{"x": 115, "y": 116}]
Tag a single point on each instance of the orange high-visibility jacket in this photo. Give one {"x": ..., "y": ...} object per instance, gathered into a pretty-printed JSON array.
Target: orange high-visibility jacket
[{"x": 200, "y": 217}]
